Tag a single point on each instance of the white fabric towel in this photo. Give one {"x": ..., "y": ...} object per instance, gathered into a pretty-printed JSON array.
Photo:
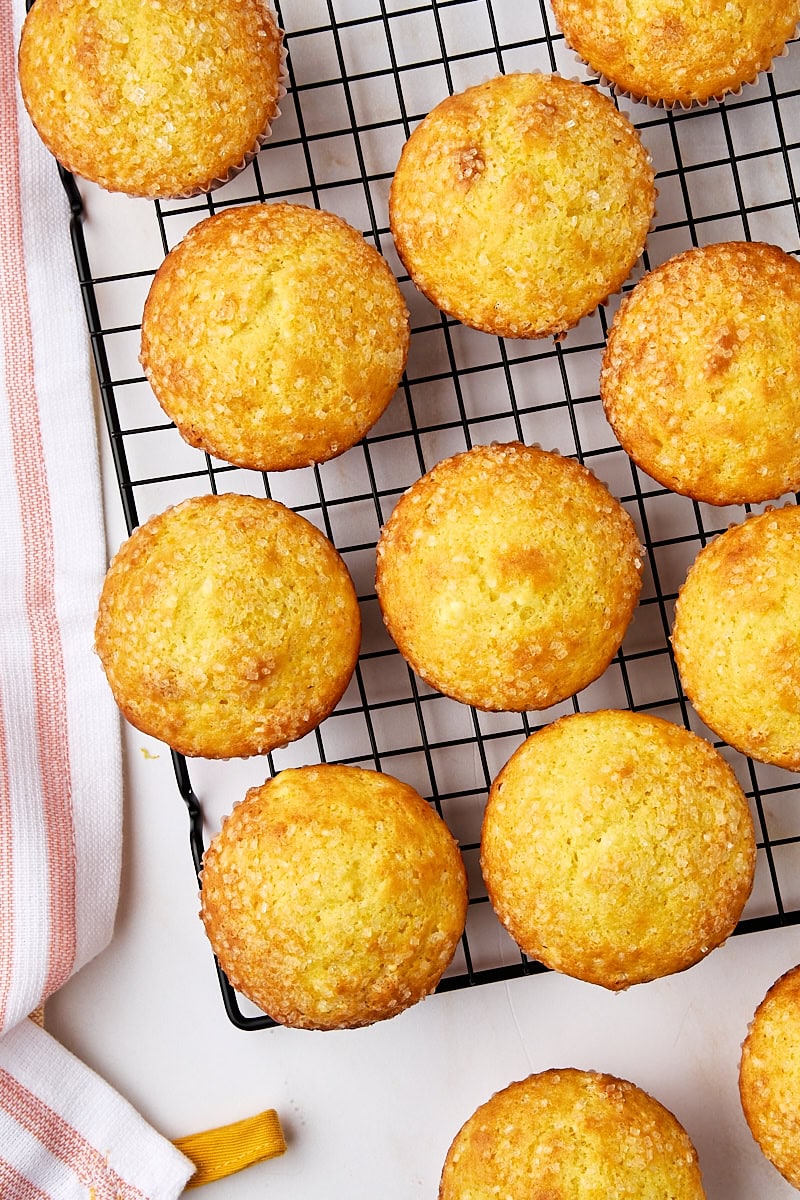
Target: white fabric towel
[
  {"x": 62, "y": 1130},
  {"x": 65, "y": 1133}
]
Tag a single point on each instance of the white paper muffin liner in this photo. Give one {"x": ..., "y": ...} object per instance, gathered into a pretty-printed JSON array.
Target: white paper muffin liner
[{"x": 678, "y": 105}]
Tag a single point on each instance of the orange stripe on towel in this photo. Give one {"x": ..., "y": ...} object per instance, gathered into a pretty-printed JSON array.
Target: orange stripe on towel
[
  {"x": 6, "y": 875},
  {"x": 64, "y": 1142},
  {"x": 14, "y": 1184},
  {"x": 49, "y": 683}
]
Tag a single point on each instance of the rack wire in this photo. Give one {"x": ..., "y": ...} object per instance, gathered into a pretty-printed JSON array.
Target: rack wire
[{"x": 362, "y": 73}]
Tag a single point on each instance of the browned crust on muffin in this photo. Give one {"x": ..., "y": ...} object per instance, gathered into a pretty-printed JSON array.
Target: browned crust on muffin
[
  {"x": 508, "y": 576},
  {"x": 617, "y": 848},
  {"x": 227, "y": 626},
  {"x": 521, "y": 204},
  {"x": 677, "y": 53},
  {"x": 701, "y": 373},
  {"x": 566, "y": 1133},
  {"x": 769, "y": 1075},
  {"x": 333, "y": 897},
  {"x": 736, "y": 636},
  {"x": 151, "y": 99},
  {"x": 274, "y": 336}
]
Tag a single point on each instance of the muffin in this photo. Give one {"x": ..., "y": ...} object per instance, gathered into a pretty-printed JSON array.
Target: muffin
[
  {"x": 227, "y": 626},
  {"x": 769, "y": 1076},
  {"x": 572, "y": 1135},
  {"x": 156, "y": 97},
  {"x": 736, "y": 636},
  {"x": 274, "y": 336},
  {"x": 701, "y": 373},
  {"x": 521, "y": 204},
  {"x": 617, "y": 848},
  {"x": 677, "y": 52},
  {"x": 333, "y": 897},
  {"x": 507, "y": 576}
]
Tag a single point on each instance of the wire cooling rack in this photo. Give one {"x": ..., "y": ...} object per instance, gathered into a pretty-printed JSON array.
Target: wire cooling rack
[{"x": 362, "y": 73}]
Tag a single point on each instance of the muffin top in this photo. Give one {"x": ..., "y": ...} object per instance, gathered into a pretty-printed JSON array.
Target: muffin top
[
  {"x": 579, "y": 1135},
  {"x": 674, "y": 51},
  {"x": 333, "y": 897},
  {"x": 736, "y": 636},
  {"x": 617, "y": 847},
  {"x": 507, "y": 576},
  {"x": 769, "y": 1075},
  {"x": 152, "y": 97},
  {"x": 228, "y": 625},
  {"x": 701, "y": 373},
  {"x": 274, "y": 336},
  {"x": 522, "y": 203}
]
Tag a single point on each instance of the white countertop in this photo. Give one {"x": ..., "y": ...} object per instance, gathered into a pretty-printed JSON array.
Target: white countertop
[{"x": 372, "y": 1112}]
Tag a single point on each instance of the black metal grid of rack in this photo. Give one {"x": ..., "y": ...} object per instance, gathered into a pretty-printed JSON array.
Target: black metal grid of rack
[{"x": 362, "y": 73}]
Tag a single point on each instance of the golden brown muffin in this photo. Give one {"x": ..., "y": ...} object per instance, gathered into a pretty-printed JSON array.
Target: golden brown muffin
[
  {"x": 701, "y": 373},
  {"x": 274, "y": 336},
  {"x": 677, "y": 52},
  {"x": 507, "y": 576},
  {"x": 769, "y": 1075},
  {"x": 521, "y": 204},
  {"x": 617, "y": 847},
  {"x": 572, "y": 1135},
  {"x": 736, "y": 636},
  {"x": 152, "y": 97},
  {"x": 228, "y": 625},
  {"x": 333, "y": 897}
]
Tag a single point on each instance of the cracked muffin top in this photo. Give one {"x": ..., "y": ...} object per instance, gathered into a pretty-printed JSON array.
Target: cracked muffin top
[
  {"x": 617, "y": 847},
  {"x": 507, "y": 576},
  {"x": 676, "y": 52},
  {"x": 701, "y": 373},
  {"x": 274, "y": 336},
  {"x": 579, "y": 1135},
  {"x": 519, "y": 205},
  {"x": 154, "y": 98},
  {"x": 333, "y": 896},
  {"x": 227, "y": 626}
]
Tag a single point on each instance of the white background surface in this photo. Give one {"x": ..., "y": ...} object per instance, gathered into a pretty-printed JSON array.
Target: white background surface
[{"x": 372, "y": 1112}]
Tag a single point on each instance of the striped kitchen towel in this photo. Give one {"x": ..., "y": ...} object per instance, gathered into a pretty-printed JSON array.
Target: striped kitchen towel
[{"x": 63, "y": 1132}]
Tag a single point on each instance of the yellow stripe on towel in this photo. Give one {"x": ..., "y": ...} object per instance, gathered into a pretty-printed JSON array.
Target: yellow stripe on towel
[{"x": 220, "y": 1152}]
